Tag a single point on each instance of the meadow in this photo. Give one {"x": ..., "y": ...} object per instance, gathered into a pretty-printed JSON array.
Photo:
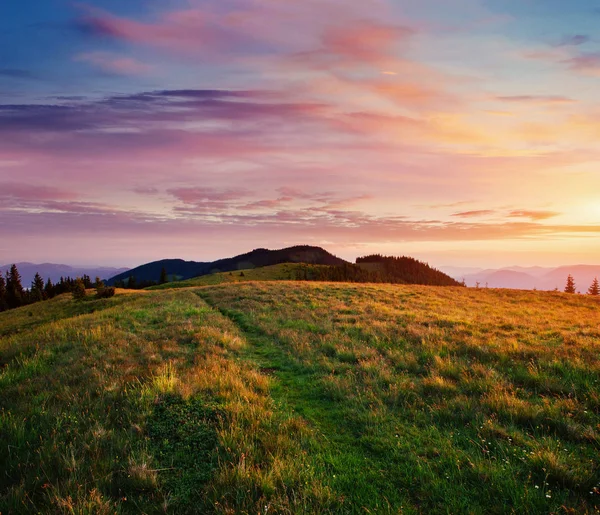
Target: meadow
[{"x": 301, "y": 397}]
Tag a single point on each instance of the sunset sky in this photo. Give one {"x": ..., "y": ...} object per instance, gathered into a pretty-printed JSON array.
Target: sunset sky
[{"x": 460, "y": 132}]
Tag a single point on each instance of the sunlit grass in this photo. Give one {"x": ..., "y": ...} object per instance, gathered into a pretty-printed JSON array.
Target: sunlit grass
[{"x": 302, "y": 398}]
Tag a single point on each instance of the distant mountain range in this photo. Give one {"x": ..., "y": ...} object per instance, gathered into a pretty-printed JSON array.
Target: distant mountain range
[
  {"x": 54, "y": 272},
  {"x": 257, "y": 258},
  {"x": 526, "y": 278}
]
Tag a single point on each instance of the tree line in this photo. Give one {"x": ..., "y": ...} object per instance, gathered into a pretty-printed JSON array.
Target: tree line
[
  {"x": 133, "y": 283},
  {"x": 378, "y": 269},
  {"x": 13, "y": 294}
]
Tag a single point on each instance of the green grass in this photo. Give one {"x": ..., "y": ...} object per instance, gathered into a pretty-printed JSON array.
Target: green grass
[
  {"x": 295, "y": 397},
  {"x": 281, "y": 272}
]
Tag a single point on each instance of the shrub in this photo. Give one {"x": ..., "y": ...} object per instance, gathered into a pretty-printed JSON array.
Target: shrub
[
  {"x": 105, "y": 293},
  {"x": 79, "y": 289}
]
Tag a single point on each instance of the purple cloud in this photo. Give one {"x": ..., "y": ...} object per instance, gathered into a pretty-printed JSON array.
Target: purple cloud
[
  {"x": 536, "y": 99},
  {"x": 574, "y": 40},
  {"x": 585, "y": 62}
]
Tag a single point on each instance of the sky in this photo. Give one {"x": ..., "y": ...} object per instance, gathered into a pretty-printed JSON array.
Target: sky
[{"x": 460, "y": 132}]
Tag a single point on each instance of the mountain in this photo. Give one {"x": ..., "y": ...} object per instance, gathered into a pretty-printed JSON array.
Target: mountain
[
  {"x": 254, "y": 259},
  {"x": 507, "y": 279},
  {"x": 54, "y": 271},
  {"x": 458, "y": 272},
  {"x": 529, "y": 278}
]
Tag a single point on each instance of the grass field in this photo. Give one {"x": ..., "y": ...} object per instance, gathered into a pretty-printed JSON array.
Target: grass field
[{"x": 295, "y": 397}]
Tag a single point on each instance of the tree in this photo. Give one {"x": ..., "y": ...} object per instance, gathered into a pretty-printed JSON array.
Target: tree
[
  {"x": 163, "y": 276},
  {"x": 49, "y": 289},
  {"x": 99, "y": 283},
  {"x": 594, "y": 289},
  {"x": 3, "y": 303},
  {"x": 132, "y": 283},
  {"x": 87, "y": 281},
  {"x": 570, "y": 287},
  {"x": 37, "y": 289},
  {"x": 79, "y": 289},
  {"x": 15, "y": 295}
]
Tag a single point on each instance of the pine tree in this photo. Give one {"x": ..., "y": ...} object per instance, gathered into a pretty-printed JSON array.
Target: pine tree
[
  {"x": 87, "y": 281},
  {"x": 37, "y": 289},
  {"x": 3, "y": 303},
  {"x": 594, "y": 289},
  {"x": 49, "y": 289},
  {"x": 15, "y": 295},
  {"x": 570, "y": 287},
  {"x": 163, "y": 276},
  {"x": 132, "y": 283}
]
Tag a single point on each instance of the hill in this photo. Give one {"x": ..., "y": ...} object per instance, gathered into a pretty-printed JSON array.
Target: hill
[
  {"x": 54, "y": 272},
  {"x": 405, "y": 270},
  {"x": 281, "y": 272},
  {"x": 257, "y": 258},
  {"x": 302, "y": 397}
]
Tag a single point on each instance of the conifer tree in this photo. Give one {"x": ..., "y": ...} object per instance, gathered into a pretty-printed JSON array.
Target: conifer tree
[
  {"x": 49, "y": 289},
  {"x": 132, "y": 283},
  {"x": 570, "y": 287},
  {"x": 163, "y": 276},
  {"x": 15, "y": 295},
  {"x": 3, "y": 303},
  {"x": 594, "y": 289},
  {"x": 37, "y": 289}
]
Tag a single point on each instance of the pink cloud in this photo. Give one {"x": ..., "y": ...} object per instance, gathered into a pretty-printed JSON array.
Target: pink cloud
[
  {"x": 355, "y": 44},
  {"x": 588, "y": 63},
  {"x": 16, "y": 191},
  {"x": 110, "y": 63},
  {"x": 475, "y": 213},
  {"x": 535, "y": 99},
  {"x": 199, "y": 195}
]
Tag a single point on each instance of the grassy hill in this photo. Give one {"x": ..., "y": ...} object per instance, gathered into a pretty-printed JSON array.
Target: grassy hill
[
  {"x": 302, "y": 397},
  {"x": 281, "y": 272},
  {"x": 254, "y": 259}
]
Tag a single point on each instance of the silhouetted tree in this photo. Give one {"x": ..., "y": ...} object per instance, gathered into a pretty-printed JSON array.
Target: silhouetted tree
[
  {"x": 49, "y": 289},
  {"x": 594, "y": 289},
  {"x": 36, "y": 293},
  {"x": 570, "y": 287},
  {"x": 163, "y": 276},
  {"x": 87, "y": 281},
  {"x": 99, "y": 283},
  {"x": 3, "y": 303},
  {"x": 132, "y": 282},
  {"x": 15, "y": 295}
]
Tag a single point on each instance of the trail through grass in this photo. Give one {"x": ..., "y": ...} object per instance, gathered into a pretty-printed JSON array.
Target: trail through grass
[
  {"x": 422, "y": 403},
  {"x": 302, "y": 398}
]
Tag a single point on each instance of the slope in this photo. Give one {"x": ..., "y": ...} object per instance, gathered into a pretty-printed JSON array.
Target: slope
[
  {"x": 256, "y": 258},
  {"x": 298, "y": 397}
]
